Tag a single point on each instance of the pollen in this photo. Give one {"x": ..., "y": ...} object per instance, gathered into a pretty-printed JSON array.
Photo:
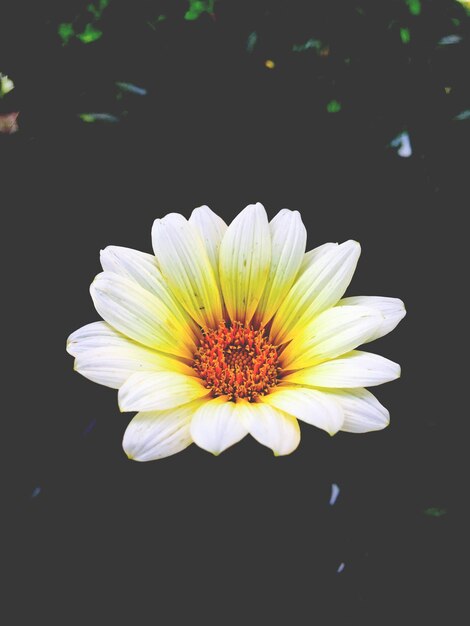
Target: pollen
[{"x": 237, "y": 361}]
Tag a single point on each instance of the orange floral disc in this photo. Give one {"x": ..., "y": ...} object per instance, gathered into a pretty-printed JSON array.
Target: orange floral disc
[{"x": 238, "y": 362}]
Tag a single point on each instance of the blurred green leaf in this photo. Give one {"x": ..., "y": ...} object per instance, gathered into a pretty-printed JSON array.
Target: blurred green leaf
[
  {"x": 97, "y": 10},
  {"x": 131, "y": 88},
  {"x": 463, "y": 115},
  {"x": 414, "y": 6},
  {"x": 90, "y": 34},
  {"x": 94, "y": 11},
  {"x": 66, "y": 32},
  {"x": 89, "y": 118},
  {"x": 333, "y": 106},
  {"x": 434, "y": 511},
  {"x": 310, "y": 43},
  {"x": 405, "y": 35},
  {"x": 197, "y": 7},
  {"x": 251, "y": 42}
]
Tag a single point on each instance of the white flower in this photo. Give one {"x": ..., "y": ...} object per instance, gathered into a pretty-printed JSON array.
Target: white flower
[
  {"x": 234, "y": 330},
  {"x": 6, "y": 85}
]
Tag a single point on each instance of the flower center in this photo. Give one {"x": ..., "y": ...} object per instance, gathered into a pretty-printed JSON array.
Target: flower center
[{"x": 237, "y": 361}]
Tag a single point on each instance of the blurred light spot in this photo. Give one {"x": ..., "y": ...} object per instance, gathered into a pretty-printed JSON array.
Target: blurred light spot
[
  {"x": 36, "y": 491},
  {"x": 464, "y": 115},
  {"x": 130, "y": 88},
  {"x": 403, "y": 144},
  {"x": 405, "y": 35},
  {"x": 340, "y": 568},
  {"x": 333, "y": 106},
  {"x": 309, "y": 44},
  {"x": 434, "y": 511},
  {"x": 89, "y": 118},
  {"x": 414, "y": 6},
  {"x": 89, "y": 428},
  {"x": 269, "y": 64},
  {"x": 447, "y": 89},
  {"x": 334, "y": 493},
  {"x": 325, "y": 51},
  {"x": 450, "y": 40},
  {"x": 251, "y": 42},
  {"x": 6, "y": 85}
]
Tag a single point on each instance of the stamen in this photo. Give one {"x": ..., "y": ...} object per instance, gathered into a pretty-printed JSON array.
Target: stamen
[{"x": 237, "y": 361}]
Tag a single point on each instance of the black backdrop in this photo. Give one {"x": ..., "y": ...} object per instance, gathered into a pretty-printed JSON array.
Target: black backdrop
[{"x": 244, "y": 537}]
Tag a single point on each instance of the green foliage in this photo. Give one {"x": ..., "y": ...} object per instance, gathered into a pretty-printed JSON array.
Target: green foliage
[
  {"x": 333, "y": 106},
  {"x": 198, "y": 7},
  {"x": 97, "y": 11},
  {"x": 414, "y": 6},
  {"x": 463, "y": 115},
  {"x": 90, "y": 34},
  {"x": 66, "y": 32},
  {"x": 314, "y": 41},
  {"x": 251, "y": 42},
  {"x": 405, "y": 35},
  {"x": 131, "y": 88},
  {"x": 90, "y": 118},
  {"x": 310, "y": 43},
  {"x": 434, "y": 511}
]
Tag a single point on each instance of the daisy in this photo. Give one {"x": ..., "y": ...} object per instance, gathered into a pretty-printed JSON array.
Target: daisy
[{"x": 229, "y": 331}]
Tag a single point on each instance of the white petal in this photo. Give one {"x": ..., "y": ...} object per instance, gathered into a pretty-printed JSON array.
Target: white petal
[
  {"x": 312, "y": 256},
  {"x": 354, "y": 369},
  {"x": 91, "y": 336},
  {"x": 217, "y": 425},
  {"x": 245, "y": 256},
  {"x": 141, "y": 267},
  {"x": 318, "y": 288},
  {"x": 333, "y": 333},
  {"x": 157, "y": 434},
  {"x": 309, "y": 405},
  {"x": 211, "y": 229},
  {"x": 108, "y": 358},
  {"x": 392, "y": 310},
  {"x": 157, "y": 391},
  {"x": 269, "y": 426},
  {"x": 140, "y": 315},
  {"x": 288, "y": 239},
  {"x": 185, "y": 264},
  {"x": 362, "y": 411}
]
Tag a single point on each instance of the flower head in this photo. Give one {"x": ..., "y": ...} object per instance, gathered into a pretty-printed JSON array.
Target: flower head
[
  {"x": 229, "y": 331},
  {"x": 6, "y": 85}
]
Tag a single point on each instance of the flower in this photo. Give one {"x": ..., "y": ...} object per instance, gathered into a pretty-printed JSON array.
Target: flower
[
  {"x": 6, "y": 85},
  {"x": 234, "y": 330}
]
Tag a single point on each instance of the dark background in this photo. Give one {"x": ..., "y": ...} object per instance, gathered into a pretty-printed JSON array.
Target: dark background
[{"x": 244, "y": 537}]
